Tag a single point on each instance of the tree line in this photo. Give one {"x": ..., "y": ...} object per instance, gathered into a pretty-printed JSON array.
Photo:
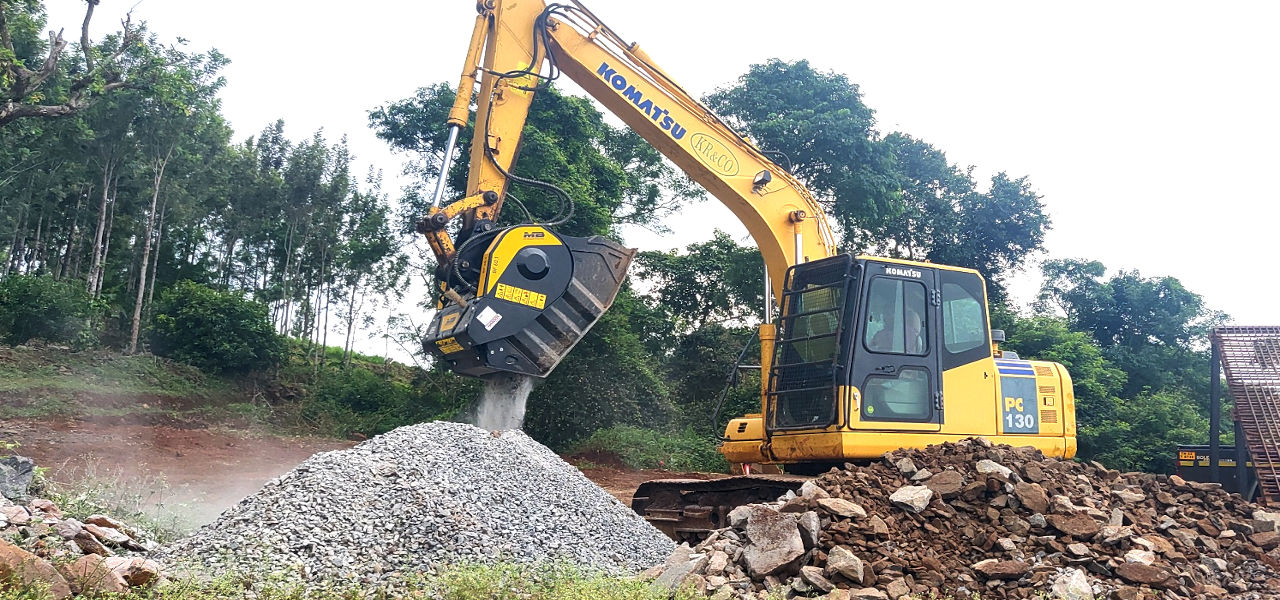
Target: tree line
[
  {"x": 135, "y": 194},
  {"x": 143, "y": 187}
]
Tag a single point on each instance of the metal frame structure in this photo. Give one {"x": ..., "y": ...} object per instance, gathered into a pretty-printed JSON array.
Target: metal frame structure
[{"x": 1250, "y": 359}]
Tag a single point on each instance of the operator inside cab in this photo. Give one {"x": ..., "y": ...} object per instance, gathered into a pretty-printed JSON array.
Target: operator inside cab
[{"x": 895, "y": 325}]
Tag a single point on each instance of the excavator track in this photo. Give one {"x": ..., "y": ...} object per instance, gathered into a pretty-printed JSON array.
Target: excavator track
[{"x": 687, "y": 510}]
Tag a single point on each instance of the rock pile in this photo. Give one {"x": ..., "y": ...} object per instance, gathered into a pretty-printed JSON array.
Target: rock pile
[
  {"x": 418, "y": 498},
  {"x": 969, "y": 519},
  {"x": 41, "y": 546}
]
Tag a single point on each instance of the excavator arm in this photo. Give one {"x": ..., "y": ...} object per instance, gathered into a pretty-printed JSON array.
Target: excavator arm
[{"x": 494, "y": 317}]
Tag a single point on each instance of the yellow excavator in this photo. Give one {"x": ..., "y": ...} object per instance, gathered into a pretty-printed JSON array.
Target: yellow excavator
[{"x": 865, "y": 355}]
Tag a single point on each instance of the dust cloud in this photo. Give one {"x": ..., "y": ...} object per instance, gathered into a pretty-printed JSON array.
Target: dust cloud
[{"x": 502, "y": 403}]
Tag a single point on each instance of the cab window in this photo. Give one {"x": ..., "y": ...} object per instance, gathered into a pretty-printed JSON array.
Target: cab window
[
  {"x": 819, "y": 327},
  {"x": 903, "y": 396},
  {"x": 896, "y": 321},
  {"x": 962, "y": 323}
]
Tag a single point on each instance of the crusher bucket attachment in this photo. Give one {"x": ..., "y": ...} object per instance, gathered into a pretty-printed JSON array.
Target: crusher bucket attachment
[{"x": 537, "y": 295}]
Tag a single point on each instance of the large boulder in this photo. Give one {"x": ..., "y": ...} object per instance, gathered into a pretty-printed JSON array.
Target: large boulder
[
  {"x": 946, "y": 484},
  {"x": 1071, "y": 584},
  {"x": 16, "y": 475},
  {"x": 682, "y": 564},
  {"x": 1001, "y": 569},
  {"x": 775, "y": 544},
  {"x": 842, "y": 508},
  {"x": 91, "y": 576},
  {"x": 844, "y": 562},
  {"x": 914, "y": 498},
  {"x": 137, "y": 572},
  {"x": 21, "y": 569},
  {"x": 1032, "y": 496},
  {"x": 991, "y": 467},
  {"x": 1077, "y": 525},
  {"x": 1144, "y": 574}
]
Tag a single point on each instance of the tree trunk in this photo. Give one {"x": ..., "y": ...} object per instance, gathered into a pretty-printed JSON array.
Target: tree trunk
[
  {"x": 95, "y": 265},
  {"x": 158, "y": 166},
  {"x": 37, "y": 247},
  {"x": 19, "y": 229},
  {"x": 64, "y": 265},
  {"x": 226, "y": 263},
  {"x": 284, "y": 280},
  {"x": 155, "y": 262},
  {"x": 106, "y": 241},
  {"x": 351, "y": 320}
]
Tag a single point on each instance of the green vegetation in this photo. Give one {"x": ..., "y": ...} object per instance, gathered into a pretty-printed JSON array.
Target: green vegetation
[
  {"x": 638, "y": 448},
  {"x": 40, "y": 381},
  {"x": 367, "y": 396},
  {"x": 216, "y": 331},
  {"x": 372, "y": 397},
  {"x": 36, "y": 307},
  {"x": 1137, "y": 351},
  {"x": 464, "y": 582}
]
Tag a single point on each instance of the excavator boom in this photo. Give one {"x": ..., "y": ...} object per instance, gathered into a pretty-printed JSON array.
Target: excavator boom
[{"x": 501, "y": 312}]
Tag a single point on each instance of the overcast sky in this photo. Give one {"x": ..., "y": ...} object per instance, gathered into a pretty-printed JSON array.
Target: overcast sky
[{"x": 1150, "y": 128}]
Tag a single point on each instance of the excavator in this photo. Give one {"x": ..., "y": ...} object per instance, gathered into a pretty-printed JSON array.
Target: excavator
[{"x": 864, "y": 355}]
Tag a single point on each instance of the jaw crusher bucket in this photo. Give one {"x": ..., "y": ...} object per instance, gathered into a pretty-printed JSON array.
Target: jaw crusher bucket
[{"x": 538, "y": 294}]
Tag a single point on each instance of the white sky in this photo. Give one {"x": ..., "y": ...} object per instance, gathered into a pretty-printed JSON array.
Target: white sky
[{"x": 1150, "y": 128}]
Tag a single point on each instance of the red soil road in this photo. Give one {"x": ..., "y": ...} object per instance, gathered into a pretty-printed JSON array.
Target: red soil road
[{"x": 196, "y": 473}]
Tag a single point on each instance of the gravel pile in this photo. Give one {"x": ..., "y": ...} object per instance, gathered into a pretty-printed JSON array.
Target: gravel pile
[{"x": 419, "y": 498}]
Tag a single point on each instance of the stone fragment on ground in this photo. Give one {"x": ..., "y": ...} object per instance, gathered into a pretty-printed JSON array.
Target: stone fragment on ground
[
  {"x": 914, "y": 498},
  {"x": 22, "y": 569},
  {"x": 41, "y": 546},
  {"x": 16, "y": 475},
  {"x": 1008, "y": 523},
  {"x": 90, "y": 575}
]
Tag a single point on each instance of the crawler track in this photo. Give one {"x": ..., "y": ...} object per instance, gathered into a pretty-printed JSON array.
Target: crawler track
[{"x": 688, "y": 509}]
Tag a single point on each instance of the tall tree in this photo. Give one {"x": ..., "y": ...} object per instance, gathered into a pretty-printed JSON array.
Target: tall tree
[
  {"x": 816, "y": 124},
  {"x": 1153, "y": 328},
  {"x": 717, "y": 281},
  {"x": 182, "y": 105},
  {"x": 38, "y": 79},
  {"x": 945, "y": 219}
]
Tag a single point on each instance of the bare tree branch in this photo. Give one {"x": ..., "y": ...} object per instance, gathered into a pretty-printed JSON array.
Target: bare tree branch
[
  {"x": 83, "y": 93},
  {"x": 32, "y": 80},
  {"x": 85, "y": 46}
]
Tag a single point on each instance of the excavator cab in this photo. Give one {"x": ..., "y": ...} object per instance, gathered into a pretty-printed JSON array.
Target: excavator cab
[{"x": 811, "y": 348}]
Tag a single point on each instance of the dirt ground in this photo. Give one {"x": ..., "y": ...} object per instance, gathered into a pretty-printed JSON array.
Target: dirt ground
[
  {"x": 193, "y": 474},
  {"x": 196, "y": 473}
]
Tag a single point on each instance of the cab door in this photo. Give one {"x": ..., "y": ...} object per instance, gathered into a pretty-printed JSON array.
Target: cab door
[{"x": 895, "y": 360}]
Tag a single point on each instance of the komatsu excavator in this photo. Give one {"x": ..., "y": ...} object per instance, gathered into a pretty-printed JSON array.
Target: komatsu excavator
[{"x": 866, "y": 354}]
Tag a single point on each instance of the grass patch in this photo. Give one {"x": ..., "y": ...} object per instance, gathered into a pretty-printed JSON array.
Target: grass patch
[
  {"x": 53, "y": 369},
  {"x": 472, "y": 582},
  {"x": 649, "y": 449}
]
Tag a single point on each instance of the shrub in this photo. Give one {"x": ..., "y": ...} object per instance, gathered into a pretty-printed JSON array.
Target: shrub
[
  {"x": 372, "y": 399},
  {"x": 360, "y": 390},
  {"x": 40, "y": 307},
  {"x": 648, "y": 449},
  {"x": 216, "y": 331}
]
